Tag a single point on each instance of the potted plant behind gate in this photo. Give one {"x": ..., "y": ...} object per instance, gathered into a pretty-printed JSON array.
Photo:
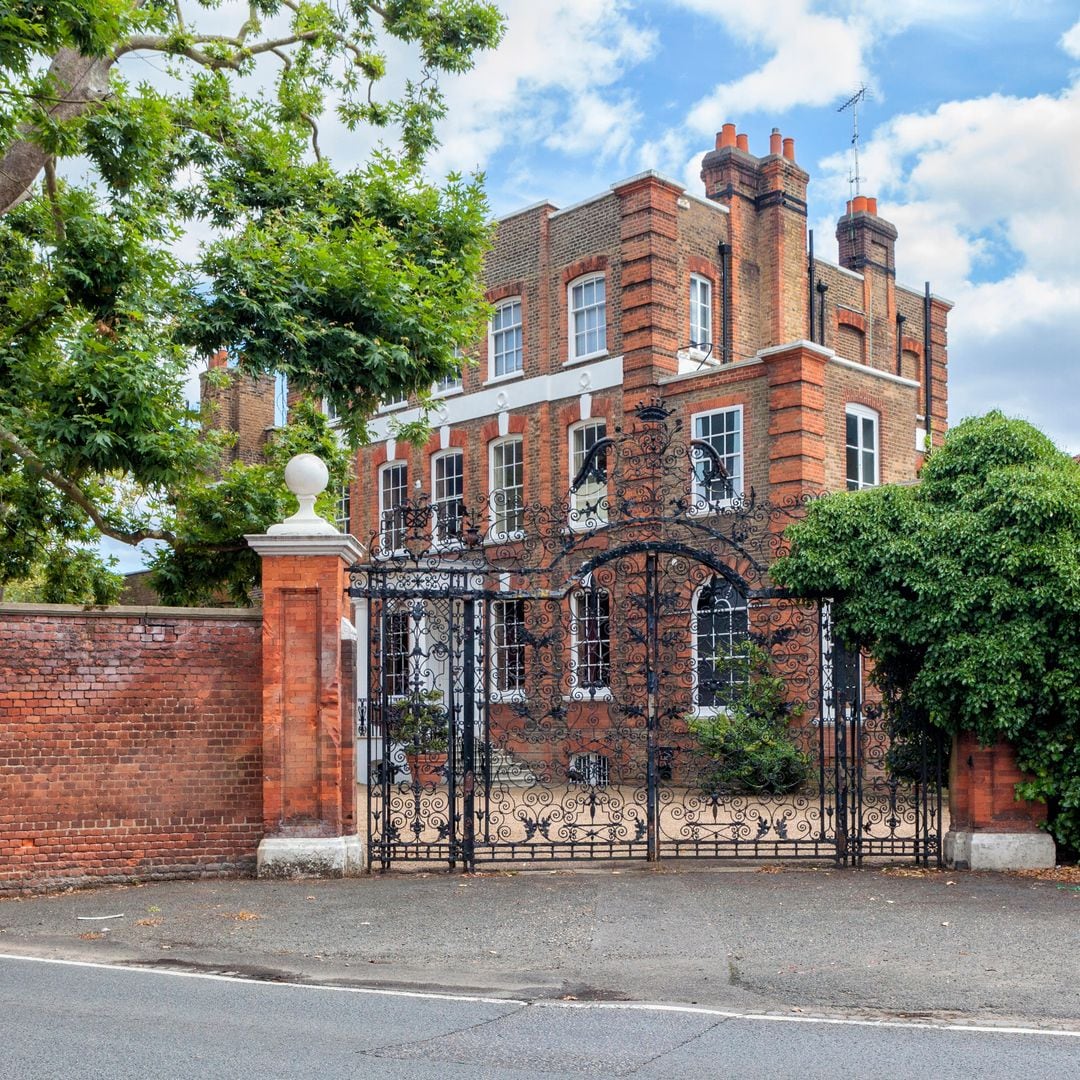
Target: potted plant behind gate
[{"x": 419, "y": 723}]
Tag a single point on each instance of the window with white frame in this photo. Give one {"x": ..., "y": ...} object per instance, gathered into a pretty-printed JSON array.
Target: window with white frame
[
  {"x": 343, "y": 507},
  {"x": 507, "y": 646},
  {"x": 591, "y": 628},
  {"x": 505, "y": 341},
  {"x": 395, "y": 650},
  {"x": 717, "y": 457},
  {"x": 588, "y": 475},
  {"x": 393, "y": 492},
  {"x": 448, "y": 489},
  {"x": 700, "y": 311},
  {"x": 588, "y": 317},
  {"x": 507, "y": 488},
  {"x": 394, "y": 403},
  {"x": 591, "y": 769},
  {"x": 450, "y": 384},
  {"x": 720, "y": 626},
  {"x": 862, "y": 447}
]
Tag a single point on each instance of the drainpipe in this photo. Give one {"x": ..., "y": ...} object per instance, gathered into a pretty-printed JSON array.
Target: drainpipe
[
  {"x": 900, "y": 320},
  {"x": 810, "y": 279},
  {"x": 822, "y": 289},
  {"x": 724, "y": 255},
  {"x": 928, "y": 399}
]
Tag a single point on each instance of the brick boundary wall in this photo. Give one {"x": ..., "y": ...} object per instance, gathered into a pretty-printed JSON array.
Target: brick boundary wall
[{"x": 130, "y": 744}]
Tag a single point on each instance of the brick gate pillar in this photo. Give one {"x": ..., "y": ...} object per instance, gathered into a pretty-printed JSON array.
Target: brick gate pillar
[
  {"x": 989, "y": 827},
  {"x": 309, "y": 786}
]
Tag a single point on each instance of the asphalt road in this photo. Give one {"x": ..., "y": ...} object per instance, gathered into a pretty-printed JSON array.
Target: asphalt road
[
  {"x": 982, "y": 948},
  {"x": 63, "y": 1019}
]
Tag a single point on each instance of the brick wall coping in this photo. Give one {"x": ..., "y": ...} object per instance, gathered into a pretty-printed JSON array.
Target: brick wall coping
[
  {"x": 527, "y": 210},
  {"x": 920, "y": 293},
  {"x": 877, "y": 373},
  {"x": 709, "y": 369},
  {"x": 801, "y": 343},
  {"x": 838, "y": 268},
  {"x": 712, "y": 204},
  {"x": 132, "y": 611},
  {"x": 578, "y": 205}
]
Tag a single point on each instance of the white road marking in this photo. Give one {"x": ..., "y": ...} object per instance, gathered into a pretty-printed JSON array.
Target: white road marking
[{"x": 626, "y": 1006}]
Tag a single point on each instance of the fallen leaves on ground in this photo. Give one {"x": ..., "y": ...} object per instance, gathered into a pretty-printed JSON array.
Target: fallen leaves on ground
[
  {"x": 241, "y": 916},
  {"x": 1070, "y": 874},
  {"x": 910, "y": 871}
]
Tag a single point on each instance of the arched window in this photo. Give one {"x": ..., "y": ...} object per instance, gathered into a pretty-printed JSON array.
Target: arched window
[{"x": 720, "y": 625}]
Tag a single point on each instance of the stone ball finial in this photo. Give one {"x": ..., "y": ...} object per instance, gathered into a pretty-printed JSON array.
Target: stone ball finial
[{"x": 306, "y": 476}]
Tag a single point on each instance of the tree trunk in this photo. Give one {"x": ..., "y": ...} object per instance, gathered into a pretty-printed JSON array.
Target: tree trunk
[{"x": 80, "y": 83}]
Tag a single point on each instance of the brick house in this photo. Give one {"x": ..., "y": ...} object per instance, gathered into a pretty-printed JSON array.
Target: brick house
[
  {"x": 804, "y": 375},
  {"x": 795, "y": 374}
]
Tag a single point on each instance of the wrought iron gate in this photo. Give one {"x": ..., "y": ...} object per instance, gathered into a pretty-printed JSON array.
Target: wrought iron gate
[{"x": 537, "y": 679}]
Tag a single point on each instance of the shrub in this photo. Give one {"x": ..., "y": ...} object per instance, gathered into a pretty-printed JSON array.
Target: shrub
[{"x": 748, "y": 743}]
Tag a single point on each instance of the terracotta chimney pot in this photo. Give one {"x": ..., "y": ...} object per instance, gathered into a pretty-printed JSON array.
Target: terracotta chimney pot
[
  {"x": 858, "y": 204},
  {"x": 775, "y": 142},
  {"x": 727, "y": 135},
  {"x": 743, "y": 142},
  {"x": 789, "y": 149},
  {"x": 871, "y": 206}
]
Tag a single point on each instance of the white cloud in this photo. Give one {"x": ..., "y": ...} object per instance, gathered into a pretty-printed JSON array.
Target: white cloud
[
  {"x": 597, "y": 126},
  {"x": 815, "y": 59},
  {"x": 548, "y": 81},
  {"x": 1070, "y": 41}
]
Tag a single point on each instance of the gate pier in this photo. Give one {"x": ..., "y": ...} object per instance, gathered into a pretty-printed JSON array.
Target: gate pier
[{"x": 309, "y": 811}]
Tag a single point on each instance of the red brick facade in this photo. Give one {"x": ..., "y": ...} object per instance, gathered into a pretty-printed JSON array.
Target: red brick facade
[
  {"x": 130, "y": 744},
  {"x": 793, "y": 372},
  {"x": 982, "y": 789}
]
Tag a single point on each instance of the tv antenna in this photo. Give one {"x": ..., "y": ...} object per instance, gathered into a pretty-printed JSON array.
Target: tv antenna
[{"x": 852, "y": 103}]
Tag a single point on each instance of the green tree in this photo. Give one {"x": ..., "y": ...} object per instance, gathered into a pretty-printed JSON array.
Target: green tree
[
  {"x": 357, "y": 285},
  {"x": 965, "y": 589}
]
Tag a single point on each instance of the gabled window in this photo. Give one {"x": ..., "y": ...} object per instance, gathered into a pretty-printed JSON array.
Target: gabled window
[
  {"x": 507, "y": 647},
  {"x": 393, "y": 491},
  {"x": 718, "y": 464},
  {"x": 587, "y": 324},
  {"x": 700, "y": 312},
  {"x": 591, "y": 629},
  {"x": 720, "y": 625},
  {"x": 448, "y": 489},
  {"x": 505, "y": 340},
  {"x": 588, "y": 475},
  {"x": 862, "y": 447},
  {"x": 507, "y": 488}
]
